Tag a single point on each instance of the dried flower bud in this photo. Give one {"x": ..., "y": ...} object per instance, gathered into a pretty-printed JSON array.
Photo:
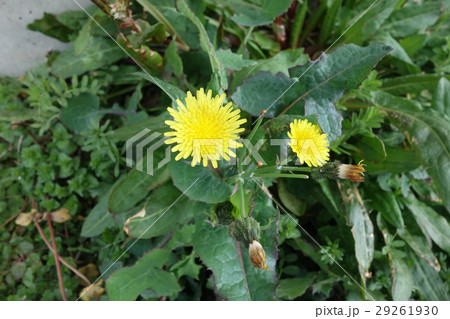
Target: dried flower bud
[
  {"x": 351, "y": 172},
  {"x": 257, "y": 255},
  {"x": 260, "y": 164}
]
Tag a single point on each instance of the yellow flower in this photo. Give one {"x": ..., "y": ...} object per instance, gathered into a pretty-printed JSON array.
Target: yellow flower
[
  {"x": 204, "y": 129},
  {"x": 310, "y": 145}
]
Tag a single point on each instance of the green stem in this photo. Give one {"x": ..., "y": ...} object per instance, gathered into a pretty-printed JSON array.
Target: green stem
[
  {"x": 298, "y": 23},
  {"x": 296, "y": 169},
  {"x": 242, "y": 153},
  {"x": 283, "y": 175},
  {"x": 243, "y": 212}
]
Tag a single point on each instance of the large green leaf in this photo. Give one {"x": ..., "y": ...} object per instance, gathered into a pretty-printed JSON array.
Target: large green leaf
[
  {"x": 235, "y": 277},
  {"x": 249, "y": 13},
  {"x": 81, "y": 112},
  {"x": 292, "y": 288},
  {"x": 127, "y": 283},
  {"x": 165, "y": 211},
  {"x": 199, "y": 183},
  {"x": 431, "y": 223},
  {"x": 386, "y": 204},
  {"x": 98, "y": 53},
  {"x": 134, "y": 188},
  {"x": 427, "y": 281},
  {"x": 315, "y": 86},
  {"x": 411, "y": 83},
  {"x": 412, "y": 19},
  {"x": 430, "y": 133}
]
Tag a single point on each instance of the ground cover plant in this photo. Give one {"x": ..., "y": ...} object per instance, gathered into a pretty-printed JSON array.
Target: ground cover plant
[{"x": 308, "y": 141}]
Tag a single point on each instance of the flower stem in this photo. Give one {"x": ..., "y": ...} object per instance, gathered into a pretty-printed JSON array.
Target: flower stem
[
  {"x": 283, "y": 175},
  {"x": 243, "y": 212}
]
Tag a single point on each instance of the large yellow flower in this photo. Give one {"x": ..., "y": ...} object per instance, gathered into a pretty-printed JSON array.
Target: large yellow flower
[
  {"x": 310, "y": 145},
  {"x": 204, "y": 128}
]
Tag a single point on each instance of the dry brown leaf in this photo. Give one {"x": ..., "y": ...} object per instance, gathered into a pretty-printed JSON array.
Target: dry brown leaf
[
  {"x": 93, "y": 291},
  {"x": 61, "y": 215},
  {"x": 25, "y": 219},
  {"x": 141, "y": 213},
  {"x": 90, "y": 271}
]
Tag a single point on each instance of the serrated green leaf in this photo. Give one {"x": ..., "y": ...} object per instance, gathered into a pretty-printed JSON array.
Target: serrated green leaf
[
  {"x": 127, "y": 283},
  {"x": 208, "y": 186},
  {"x": 251, "y": 14},
  {"x": 81, "y": 112},
  {"x": 429, "y": 133},
  {"x": 232, "y": 61},
  {"x": 320, "y": 84},
  {"x": 235, "y": 277}
]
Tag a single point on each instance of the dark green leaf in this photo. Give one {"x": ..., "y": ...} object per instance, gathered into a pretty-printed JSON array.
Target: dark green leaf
[
  {"x": 294, "y": 287},
  {"x": 199, "y": 183},
  {"x": 232, "y": 61},
  {"x": 251, "y": 14},
  {"x": 49, "y": 25},
  {"x": 441, "y": 97},
  {"x": 430, "y": 133},
  {"x": 165, "y": 211},
  {"x": 411, "y": 83},
  {"x": 431, "y": 223},
  {"x": 412, "y": 19},
  {"x": 127, "y": 283},
  {"x": 81, "y": 112},
  {"x": 429, "y": 284},
  {"x": 319, "y": 83},
  {"x": 98, "y": 53},
  {"x": 386, "y": 204}
]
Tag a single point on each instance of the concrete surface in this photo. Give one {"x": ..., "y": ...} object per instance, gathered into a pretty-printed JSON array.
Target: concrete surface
[{"x": 20, "y": 48}]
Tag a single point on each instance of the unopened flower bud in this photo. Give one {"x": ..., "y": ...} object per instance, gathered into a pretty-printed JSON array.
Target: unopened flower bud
[
  {"x": 352, "y": 172},
  {"x": 257, "y": 255}
]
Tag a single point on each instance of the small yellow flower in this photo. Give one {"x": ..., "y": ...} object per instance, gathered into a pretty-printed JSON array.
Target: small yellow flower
[
  {"x": 204, "y": 129},
  {"x": 352, "y": 172},
  {"x": 310, "y": 145},
  {"x": 257, "y": 255}
]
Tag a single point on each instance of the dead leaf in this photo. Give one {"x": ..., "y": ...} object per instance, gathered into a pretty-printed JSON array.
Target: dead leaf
[
  {"x": 93, "y": 291},
  {"x": 25, "y": 219},
  {"x": 61, "y": 215},
  {"x": 90, "y": 271},
  {"x": 141, "y": 213}
]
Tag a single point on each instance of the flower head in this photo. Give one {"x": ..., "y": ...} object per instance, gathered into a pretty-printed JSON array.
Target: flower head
[
  {"x": 352, "y": 172},
  {"x": 310, "y": 145},
  {"x": 204, "y": 129},
  {"x": 257, "y": 255}
]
